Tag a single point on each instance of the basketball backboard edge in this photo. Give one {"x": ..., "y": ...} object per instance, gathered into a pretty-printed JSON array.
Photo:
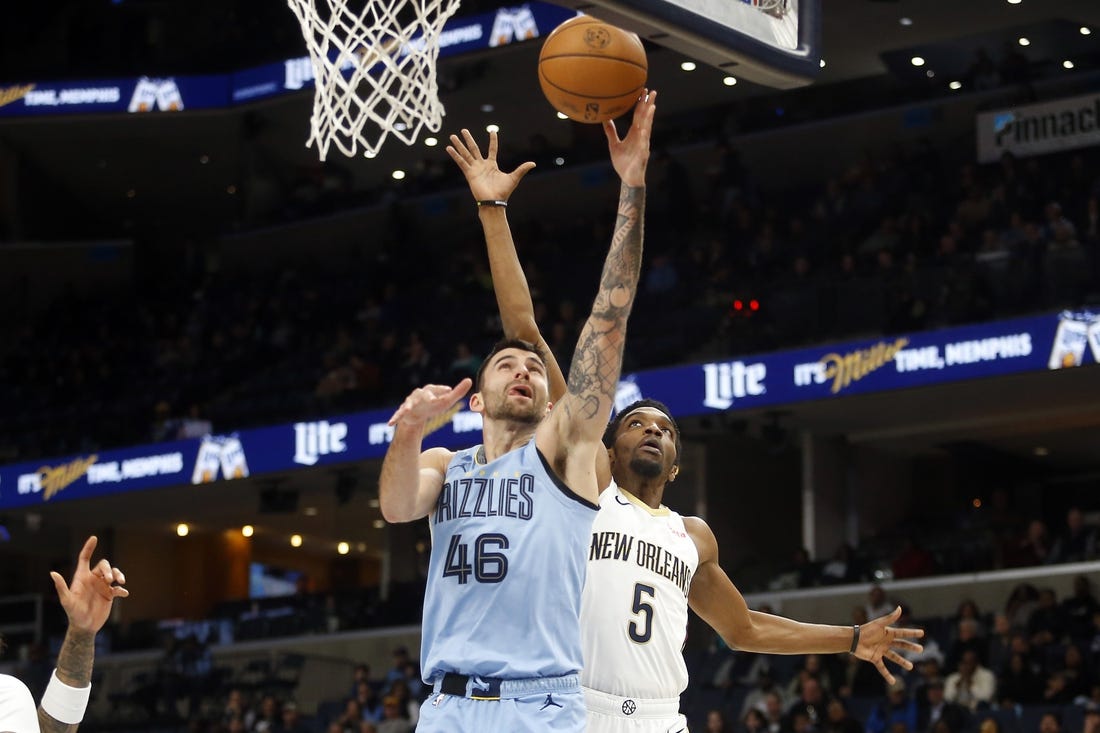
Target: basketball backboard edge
[{"x": 709, "y": 32}]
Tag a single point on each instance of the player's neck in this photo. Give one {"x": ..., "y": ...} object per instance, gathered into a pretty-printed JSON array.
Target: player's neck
[
  {"x": 503, "y": 436},
  {"x": 650, "y": 493}
]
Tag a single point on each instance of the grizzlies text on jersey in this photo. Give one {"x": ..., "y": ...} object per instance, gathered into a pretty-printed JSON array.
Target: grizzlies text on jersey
[{"x": 509, "y": 549}]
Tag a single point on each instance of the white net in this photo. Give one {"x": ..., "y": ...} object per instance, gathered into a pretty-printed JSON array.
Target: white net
[{"x": 374, "y": 69}]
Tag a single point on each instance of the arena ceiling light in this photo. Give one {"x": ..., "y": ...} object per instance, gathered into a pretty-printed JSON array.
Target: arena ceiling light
[
  {"x": 917, "y": 61},
  {"x": 905, "y": 21},
  {"x": 1086, "y": 31},
  {"x": 955, "y": 86},
  {"x": 343, "y": 548},
  {"x": 398, "y": 175},
  {"x": 492, "y": 128},
  {"x": 248, "y": 530},
  {"x": 431, "y": 142},
  {"x": 1023, "y": 41},
  {"x": 295, "y": 540},
  {"x": 730, "y": 81},
  {"x": 688, "y": 66},
  {"x": 1067, "y": 64},
  {"x": 182, "y": 529}
]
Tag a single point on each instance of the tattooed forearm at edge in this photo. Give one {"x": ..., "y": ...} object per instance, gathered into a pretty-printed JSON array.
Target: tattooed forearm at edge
[
  {"x": 74, "y": 668},
  {"x": 598, "y": 357}
]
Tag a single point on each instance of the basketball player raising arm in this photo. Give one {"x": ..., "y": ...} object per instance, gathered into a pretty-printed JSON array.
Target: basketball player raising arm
[
  {"x": 630, "y": 624},
  {"x": 511, "y": 519},
  {"x": 87, "y": 602},
  {"x": 517, "y": 312}
]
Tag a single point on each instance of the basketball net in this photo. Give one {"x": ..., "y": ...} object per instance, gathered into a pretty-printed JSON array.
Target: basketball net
[{"x": 375, "y": 72}]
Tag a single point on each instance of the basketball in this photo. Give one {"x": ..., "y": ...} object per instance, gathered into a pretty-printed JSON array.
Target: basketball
[{"x": 591, "y": 71}]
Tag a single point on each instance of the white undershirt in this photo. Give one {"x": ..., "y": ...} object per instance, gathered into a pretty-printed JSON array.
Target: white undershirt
[{"x": 18, "y": 713}]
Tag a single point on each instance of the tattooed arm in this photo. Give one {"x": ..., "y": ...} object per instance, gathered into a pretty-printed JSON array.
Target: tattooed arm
[
  {"x": 87, "y": 603},
  {"x": 571, "y": 436}
]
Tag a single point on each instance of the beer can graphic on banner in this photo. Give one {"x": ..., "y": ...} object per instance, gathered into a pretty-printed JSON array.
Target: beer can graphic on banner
[
  {"x": 168, "y": 96},
  {"x": 208, "y": 461},
  {"x": 233, "y": 461},
  {"x": 145, "y": 95},
  {"x": 1094, "y": 340},
  {"x": 1069, "y": 343}
]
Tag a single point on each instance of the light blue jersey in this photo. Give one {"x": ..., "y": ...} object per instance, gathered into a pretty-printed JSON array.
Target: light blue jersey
[{"x": 509, "y": 554}]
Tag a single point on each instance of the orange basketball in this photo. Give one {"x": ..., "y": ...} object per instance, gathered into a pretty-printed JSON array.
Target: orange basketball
[{"x": 591, "y": 71}]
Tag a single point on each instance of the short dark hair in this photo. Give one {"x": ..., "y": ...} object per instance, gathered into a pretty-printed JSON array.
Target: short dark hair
[
  {"x": 613, "y": 426},
  {"x": 500, "y": 346}
]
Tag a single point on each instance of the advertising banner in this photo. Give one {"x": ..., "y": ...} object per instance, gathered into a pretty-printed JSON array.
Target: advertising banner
[
  {"x": 175, "y": 93},
  {"x": 1064, "y": 340},
  {"x": 1033, "y": 129}
]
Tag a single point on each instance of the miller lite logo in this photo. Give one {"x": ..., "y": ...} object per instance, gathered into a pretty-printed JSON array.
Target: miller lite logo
[
  {"x": 729, "y": 381},
  {"x": 315, "y": 439}
]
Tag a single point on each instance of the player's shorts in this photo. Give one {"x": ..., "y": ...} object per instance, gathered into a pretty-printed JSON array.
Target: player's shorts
[
  {"x": 460, "y": 704},
  {"x": 614, "y": 714}
]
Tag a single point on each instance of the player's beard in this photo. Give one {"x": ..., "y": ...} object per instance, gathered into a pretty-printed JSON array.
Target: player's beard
[
  {"x": 508, "y": 411},
  {"x": 646, "y": 467}
]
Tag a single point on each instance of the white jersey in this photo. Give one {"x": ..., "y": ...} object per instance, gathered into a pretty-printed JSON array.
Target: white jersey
[
  {"x": 17, "y": 711},
  {"x": 634, "y": 608}
]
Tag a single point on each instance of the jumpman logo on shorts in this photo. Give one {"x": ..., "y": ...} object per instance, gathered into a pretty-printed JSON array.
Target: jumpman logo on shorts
[{"x": 549, "y": 702}]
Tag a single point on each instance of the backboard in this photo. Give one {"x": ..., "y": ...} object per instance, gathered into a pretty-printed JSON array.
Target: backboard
[{"x": 771, "y": 42}]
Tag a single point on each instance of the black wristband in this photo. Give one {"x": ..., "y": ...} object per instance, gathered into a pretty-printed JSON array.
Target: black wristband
[
  {"x": 493, "y": 202},
  {"x": 855, "y": 638}
]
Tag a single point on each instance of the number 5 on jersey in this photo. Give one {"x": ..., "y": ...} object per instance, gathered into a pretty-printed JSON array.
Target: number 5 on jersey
[
  {"x": 487, "y": 567},
  {"x": 641, "y": 635}
]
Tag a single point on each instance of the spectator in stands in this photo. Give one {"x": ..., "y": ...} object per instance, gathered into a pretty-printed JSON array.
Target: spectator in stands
[
  {"x": 370, "y": 704},
  {"x": 1075, "y": 672},
  {"x": 360, "y": 674},
  {"x": 236, "y": 707},
  {"x": 1092, "y": 721},
  {"x": 811, "y": 667},
  {"x": 269, "y": 716},
  {"x": 1046, "y": 624},
  {"x": 999, "y": 646},
  {"x": 1029, "y": 549},
  {"x": 1077, "y": 610},
  {"x": 843, "y": 567},
  {"x": 877, "y": 603},
  {"x": 1051, "y": 722},
  {"x": 351, "y": 719},
  {"x": 967, "y": 639},
  {"x": 716, "y": 723},
  {"x": 1077, "y": 542},
  {"x": 935, "y": 708},
  {"x": 972, "y": 685},
  {"x": 773, "y": 712},
  {"x": 410, "y": 707},
  {"x": 1021, "y": 603},
  {"x": 838, "y": 719},
  {"x": 394, "y": 719},
  {"x": 397, "y": 671},
  {"x": 1018, "y": 683},
  {"x": 765, "y": 687},
  {"x": 811, "y": 703},
  {"x": 752, "y": 721},
  {"x": 898, "y": 707},
  {"x": 291, "y": 721}
]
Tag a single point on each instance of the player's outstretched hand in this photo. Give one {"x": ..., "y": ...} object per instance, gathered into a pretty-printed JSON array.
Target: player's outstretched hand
[
  {"x": 879, "y": 641},
  {"x": 487, "y": 181},
  {"x": 631, "y": 154},
  {"x": 87, "y": 600},
  {"x": 429, "y": 401}
]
